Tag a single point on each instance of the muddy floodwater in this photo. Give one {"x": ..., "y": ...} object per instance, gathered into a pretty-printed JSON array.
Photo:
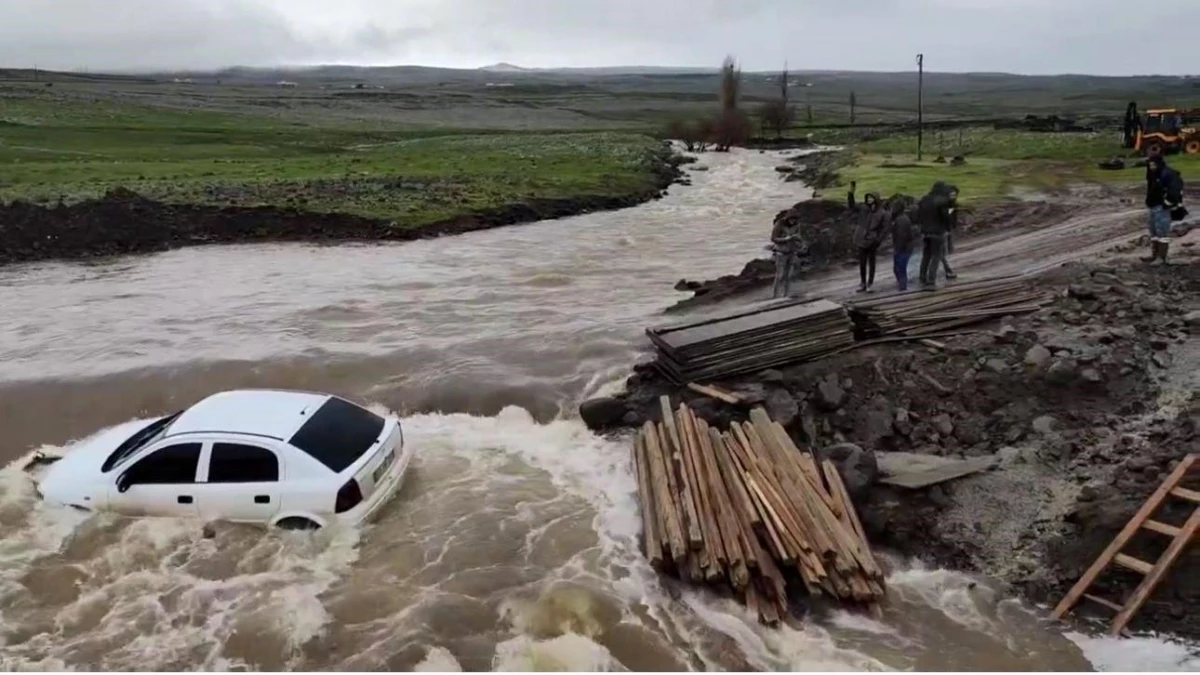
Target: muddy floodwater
[{"x": 512, "y": 544}]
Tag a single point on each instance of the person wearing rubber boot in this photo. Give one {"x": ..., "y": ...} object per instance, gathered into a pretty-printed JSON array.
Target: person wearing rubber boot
[
  {"x": 935, "y": 213},
  {"x": 870, "y": 227},
  {"x": 1164, "y": 193}
]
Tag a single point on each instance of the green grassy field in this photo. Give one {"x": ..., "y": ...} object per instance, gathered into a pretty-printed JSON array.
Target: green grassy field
[
  {"x": 417, "y": 145},
  {"x": 51, "y": 152},
  {"x": 999, "y": 163}
]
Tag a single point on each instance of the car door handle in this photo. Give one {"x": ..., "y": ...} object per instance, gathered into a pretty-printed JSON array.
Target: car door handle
[
  {"x": 262, "y": 499},
  {"x": 184, "y": 499}
]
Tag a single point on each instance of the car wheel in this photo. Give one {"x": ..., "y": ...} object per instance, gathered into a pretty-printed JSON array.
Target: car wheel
[{"x": 297, "y": 523}]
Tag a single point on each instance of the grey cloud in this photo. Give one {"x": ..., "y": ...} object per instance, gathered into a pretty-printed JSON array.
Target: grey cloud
[{"x": 1032, "y": 36}]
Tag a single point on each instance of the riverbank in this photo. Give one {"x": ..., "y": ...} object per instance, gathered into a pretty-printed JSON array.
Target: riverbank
[
  {"x": 124, "y": 222},
  {"x": 1084, "y": 406}
]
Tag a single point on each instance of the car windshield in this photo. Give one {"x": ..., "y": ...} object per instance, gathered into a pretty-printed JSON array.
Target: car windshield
[
  {"x": 338, "y": 433},
  {"x": 140, "y": 439}
]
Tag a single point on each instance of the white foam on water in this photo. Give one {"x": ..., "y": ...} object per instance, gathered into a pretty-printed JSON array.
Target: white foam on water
[
  {"x": 949, "y": 592},
  {"x": 1144, "y": 653},
  {"x": 569, "y": 652},
  {"x": 438, "y": 660},
  {"x": 138, "y": 598}
]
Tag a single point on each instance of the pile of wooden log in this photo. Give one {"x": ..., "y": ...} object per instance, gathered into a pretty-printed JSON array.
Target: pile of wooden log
[
  {"x": 745, "y": 508},
  {"x": 751, "y": 340},
  {"x": 927, "y": 314}
]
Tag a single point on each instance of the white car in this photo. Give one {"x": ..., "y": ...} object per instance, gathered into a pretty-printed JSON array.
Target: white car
[{"x": 295, "y": 460}]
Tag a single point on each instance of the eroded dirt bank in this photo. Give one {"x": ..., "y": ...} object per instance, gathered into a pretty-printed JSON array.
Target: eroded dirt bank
[
  {"x": 1085, "y": 406},
  {"x": 123, "y": 222}
]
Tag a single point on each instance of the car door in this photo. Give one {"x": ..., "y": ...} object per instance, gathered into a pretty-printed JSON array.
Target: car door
[
  {"x": 162, "y": 482},
  {"x": 242, "y": 482}
]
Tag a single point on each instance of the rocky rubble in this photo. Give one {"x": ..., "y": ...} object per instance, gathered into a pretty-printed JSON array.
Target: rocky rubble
[{"x": 1085, "y": 406}]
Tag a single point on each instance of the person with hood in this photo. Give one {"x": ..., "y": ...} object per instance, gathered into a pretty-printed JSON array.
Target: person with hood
[
  {"x": 787, "y": 246},
  {"x": 1164, "y": 194},
  {"x": 951, "y": 231},
  {"x": 935, "y": 217},
  {"x": 869, "y": 229},
  {"x": 904, "y": 239}
]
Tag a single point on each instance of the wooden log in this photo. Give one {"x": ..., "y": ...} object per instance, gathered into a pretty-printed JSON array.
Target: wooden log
[
  {"x": 743, "y": 510},
  {"x": 722, "y": 508},
  {"x": 714, "y": 539},
  {"x": 713, "y": 568},
  {"x": 690, "y": 515},
  {"x": 651, "y": 537},
  {"x": 665, "y": 505},
  {"x": 873, "y": 569}
]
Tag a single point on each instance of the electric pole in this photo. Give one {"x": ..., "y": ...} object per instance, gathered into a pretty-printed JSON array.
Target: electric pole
[{"x": 920, "y": 103}]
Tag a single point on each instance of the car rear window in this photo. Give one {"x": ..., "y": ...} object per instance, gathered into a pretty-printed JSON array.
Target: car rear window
[{"x": 338, "y": 433}]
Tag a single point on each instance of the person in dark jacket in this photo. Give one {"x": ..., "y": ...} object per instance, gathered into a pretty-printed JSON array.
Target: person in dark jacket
[
  {"x": 935, "y": 213},
  {"x": 904, "y": 239},
  {"x": 1164, "y": 192},
  {"x": 870, "y": 227},
  {"x": 951, "y": 231}
]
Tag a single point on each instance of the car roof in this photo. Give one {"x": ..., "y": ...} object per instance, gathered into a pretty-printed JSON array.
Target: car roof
[{"x": 273, "y": 413}]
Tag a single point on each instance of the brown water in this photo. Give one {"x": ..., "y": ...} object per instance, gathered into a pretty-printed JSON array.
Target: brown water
[{"x": 512, "y": 543}]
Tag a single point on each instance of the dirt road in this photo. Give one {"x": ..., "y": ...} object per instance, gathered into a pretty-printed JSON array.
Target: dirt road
[{"x": 1020, "y": 249}]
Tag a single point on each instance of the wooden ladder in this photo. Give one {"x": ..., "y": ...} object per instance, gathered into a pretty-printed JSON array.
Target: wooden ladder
[{"x": 1153, "y": 573}]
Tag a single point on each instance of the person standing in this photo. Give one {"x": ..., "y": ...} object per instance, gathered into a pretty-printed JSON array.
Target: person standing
[
  {"x": 934, "y": 214},
  {"x": 951, "y": 231},
  {"x": 904, "y": 238},
  {"x": 787, "y": 247},
  {"x": 869, "y": 229},
  {"x": 1164, "y": 193}
]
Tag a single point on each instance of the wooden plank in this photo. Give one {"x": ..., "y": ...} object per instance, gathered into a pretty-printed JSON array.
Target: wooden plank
[
  {"x": 1184, "y": 493},
  {"x": 667, "y": 509},
  {"x": 1144, "y": 589},
  {"x": 651, "y": 537},
  {"x": 788, "y": 313},
  {"x": 1131, "y": 563},
  {"x": 1148, "y": 507},
  {"x": 1101, "y": 601},
  {"x": 691, "y": 517},
  {"x": 922, "y": 479},
  {"x": 714, "y": 393},
  {"x": 1161, "y": 528}
]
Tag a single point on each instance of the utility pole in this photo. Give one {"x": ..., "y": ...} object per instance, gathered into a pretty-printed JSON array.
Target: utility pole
[{"x": 920, "y": 104}]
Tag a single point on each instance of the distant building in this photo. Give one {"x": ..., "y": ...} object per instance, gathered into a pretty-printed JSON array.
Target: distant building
[{"x": 287, "y": 84}]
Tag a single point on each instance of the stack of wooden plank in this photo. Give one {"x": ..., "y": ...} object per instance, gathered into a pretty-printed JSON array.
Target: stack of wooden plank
[
  {"x": 747, "y": 509},
  {"x": 923, "y": 314},
  {"x": 751, "y": 340}
]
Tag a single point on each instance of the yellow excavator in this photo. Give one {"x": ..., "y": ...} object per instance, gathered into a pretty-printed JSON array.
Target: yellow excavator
[{"x": 1163, "y": 131}]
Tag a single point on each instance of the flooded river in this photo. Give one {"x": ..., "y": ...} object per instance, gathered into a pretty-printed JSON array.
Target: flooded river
[{"x": 512, "y": 544}]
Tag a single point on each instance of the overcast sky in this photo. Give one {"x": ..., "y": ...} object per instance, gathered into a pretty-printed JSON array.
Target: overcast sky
[{"x": 1025, "y": 36}]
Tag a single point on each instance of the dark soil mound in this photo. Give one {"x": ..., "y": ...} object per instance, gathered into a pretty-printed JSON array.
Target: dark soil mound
[{"x": 123, "y": 222}]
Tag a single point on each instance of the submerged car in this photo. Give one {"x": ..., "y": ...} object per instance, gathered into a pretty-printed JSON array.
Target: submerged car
[{"x": 289, "y": 459}]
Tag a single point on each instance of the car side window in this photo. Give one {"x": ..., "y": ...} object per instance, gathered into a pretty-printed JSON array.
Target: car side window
[
  {"x": 171, "y": 465},
  {"x": 239, "y": 463}
]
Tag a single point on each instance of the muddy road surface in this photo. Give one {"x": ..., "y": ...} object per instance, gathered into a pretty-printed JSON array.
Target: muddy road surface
[{"x": 512, "y": 543}]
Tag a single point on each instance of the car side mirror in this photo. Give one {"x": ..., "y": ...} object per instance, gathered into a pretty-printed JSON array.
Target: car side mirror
[{"x": 123, "y": 483}]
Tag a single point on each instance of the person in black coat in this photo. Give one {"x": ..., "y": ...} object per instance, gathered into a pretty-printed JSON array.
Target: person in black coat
[
  {"x": 935, "y": 216},
  {"x": 1164, "y": 193}
]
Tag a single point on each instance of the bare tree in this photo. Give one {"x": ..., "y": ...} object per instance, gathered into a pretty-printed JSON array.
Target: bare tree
[
  {"x": 783, "y": 84},
  {"x": 808, "y": 113},
  {"x": 731, "y": 128},
  {"x": 777, "y": 116},
  {"x": 853, "y": 105},
  {"x": 731, "y": 84},
  {"x": 686, "y": 132},
  {"x": 705, "y": 133}
]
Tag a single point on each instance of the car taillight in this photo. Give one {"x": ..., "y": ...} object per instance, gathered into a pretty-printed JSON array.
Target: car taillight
[{"x": 348, "y": 497}]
